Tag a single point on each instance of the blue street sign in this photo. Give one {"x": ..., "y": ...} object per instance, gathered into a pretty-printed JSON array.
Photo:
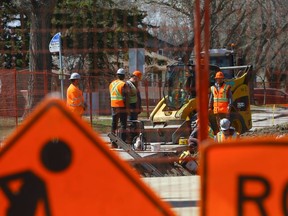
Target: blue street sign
[{"x": 55, "y": 43}]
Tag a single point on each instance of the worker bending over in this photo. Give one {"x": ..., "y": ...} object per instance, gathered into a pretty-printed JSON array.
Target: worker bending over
[
  {"x": 187, "y": 158},
  {"x": 195, "y": 128},
  {"x": 227, "y": 132}
]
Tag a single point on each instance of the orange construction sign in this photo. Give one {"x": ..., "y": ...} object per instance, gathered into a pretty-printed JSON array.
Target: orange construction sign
[
  {"x": 55, "y": 164},
  {"x": 245, "y": 177}
]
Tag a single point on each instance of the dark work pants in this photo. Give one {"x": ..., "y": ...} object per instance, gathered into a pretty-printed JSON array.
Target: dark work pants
[
  {"x": 133, "y": 116},
  {"x": 119, "y": 113},
  {"x": 133, "y": 112}
]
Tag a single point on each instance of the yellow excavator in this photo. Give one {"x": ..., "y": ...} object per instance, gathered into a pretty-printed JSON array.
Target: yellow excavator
[{"x": 171, "y": 118}]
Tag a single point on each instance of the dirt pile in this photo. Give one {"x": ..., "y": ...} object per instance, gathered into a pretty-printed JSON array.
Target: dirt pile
[{"x": 276, "y": 130}]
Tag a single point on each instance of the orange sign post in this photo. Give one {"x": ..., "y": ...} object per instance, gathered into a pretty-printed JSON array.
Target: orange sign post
[
  {"x": 245, "y": 177},
  {"x": 56, "y": 165}
]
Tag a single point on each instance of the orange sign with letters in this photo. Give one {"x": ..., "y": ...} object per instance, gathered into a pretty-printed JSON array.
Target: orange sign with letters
[
  {"x": 55, "y": 164},
  {"x": 245, "y": 177}
]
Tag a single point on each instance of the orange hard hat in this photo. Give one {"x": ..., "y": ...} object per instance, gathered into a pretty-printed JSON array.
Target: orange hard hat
[
  {"x": 219, "y": 75},
  {"x": 138, "y": 74}
]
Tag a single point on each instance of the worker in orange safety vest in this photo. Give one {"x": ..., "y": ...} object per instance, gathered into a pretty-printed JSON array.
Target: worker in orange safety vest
[
  {"x": 75, "y": 100},
  {"x": 119, "y": 105},
  {"x": 227, "y": 132},
  {"x": 220, "y": 100}
]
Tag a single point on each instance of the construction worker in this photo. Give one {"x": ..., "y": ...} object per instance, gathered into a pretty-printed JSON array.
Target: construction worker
[
  {"x": 220, "y": 100},
  {"x": 195, "y": 126},
  {"x": 119, "y": 104},
  {"x": 75, "y": 100},
  {"x": 187, "y": 157},
  {"x": 134, "y": 95},
  {"x": 227, "y": 132}
]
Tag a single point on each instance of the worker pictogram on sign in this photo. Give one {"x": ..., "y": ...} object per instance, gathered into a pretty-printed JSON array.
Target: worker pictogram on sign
[
  {"x": 55, "y": 164},
  {"x": 245, "y": 177},
  {"x": 55, "y": 156}
]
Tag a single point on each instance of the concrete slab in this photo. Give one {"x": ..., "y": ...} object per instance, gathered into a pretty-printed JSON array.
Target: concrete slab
[{"x": 182, "y": 193}]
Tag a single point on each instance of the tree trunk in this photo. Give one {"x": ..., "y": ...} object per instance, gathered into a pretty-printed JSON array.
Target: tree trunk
[{"x": 40, "y": 62}]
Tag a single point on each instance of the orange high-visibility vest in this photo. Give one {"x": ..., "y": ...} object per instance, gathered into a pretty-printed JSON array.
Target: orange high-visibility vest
[
  {"x": 220, "y": 98},
  {"x": 75, "y": 100},
  {"x": 116, "y": 93}
]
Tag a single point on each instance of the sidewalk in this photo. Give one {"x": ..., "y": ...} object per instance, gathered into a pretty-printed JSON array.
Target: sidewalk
[{"x": 182, "y": 193}]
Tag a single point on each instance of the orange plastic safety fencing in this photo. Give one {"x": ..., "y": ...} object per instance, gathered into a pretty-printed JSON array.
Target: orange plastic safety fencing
[{"x": 22, "y": 90}]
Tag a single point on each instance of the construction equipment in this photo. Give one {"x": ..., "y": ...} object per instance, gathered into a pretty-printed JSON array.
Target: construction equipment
[{"x": 171, "y": 118}]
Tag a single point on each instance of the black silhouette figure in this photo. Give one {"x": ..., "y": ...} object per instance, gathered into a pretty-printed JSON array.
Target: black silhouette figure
[
  {"x": 24, "y": 201},
  {"x": 55, "y": 156}
]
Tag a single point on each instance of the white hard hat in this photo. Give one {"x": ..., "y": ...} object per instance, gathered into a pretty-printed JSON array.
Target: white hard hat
[
  {"x": 224, "y": 124},
  {"x": 74, "y": 76},
  {"x": 121, "y": 71}
]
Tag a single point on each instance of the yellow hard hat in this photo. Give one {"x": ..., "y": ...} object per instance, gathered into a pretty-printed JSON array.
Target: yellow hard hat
[{"x": 219, "y": 75}]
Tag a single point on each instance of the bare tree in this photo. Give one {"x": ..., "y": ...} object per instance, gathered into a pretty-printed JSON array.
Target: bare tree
[
  {"x": 258, "y": 28},
  {"x": 40, "y": 14}
]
